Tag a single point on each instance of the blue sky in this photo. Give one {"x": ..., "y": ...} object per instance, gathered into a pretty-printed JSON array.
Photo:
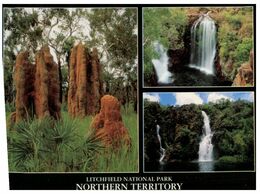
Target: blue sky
[{"x": 181, "y": 98}]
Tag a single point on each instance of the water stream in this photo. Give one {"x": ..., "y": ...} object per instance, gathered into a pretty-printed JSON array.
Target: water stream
[
  {"x": 162, "y": 150},
  {"x": 203, "y": 44},
  {"x": 206, "y": 147},
  {"x": 161, "y": 64}
]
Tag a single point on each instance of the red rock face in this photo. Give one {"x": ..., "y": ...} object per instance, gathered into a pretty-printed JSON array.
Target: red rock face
[
  {"x": 47, "y": 88},
  {"x": 108, "y": 124},
  {"x": 23, "y": 79},
  {"x": 245, "y": 75},
  {"x": 85, "y": 88}
]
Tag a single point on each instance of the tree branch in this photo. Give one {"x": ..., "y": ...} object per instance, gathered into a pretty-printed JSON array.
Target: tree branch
[{"x": 52, "y": 26}]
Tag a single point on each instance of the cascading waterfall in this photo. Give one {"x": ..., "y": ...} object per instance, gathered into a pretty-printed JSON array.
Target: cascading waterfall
[
  {"x": 203, "y": 44},
  {"x": 162, "y": 150},
  {"x": 161, "y": 65},
  {"x": 206, "y": 147}
]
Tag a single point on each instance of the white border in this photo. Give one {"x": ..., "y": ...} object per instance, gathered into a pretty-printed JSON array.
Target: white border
[{"x": 4, "y": 180}]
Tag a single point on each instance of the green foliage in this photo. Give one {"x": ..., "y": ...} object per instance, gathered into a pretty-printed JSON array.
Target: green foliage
[
  {"x": 243, "y": 49},
  {"x": 28, "y": 29},
  {"x": 9, "y": 107},
  {"x": 235, "y": 36},
  {"x": 165, "y": 25},
  {"x": 114, "y": 32},
  {"x": 171, "y": 26},
  {"x": 231, "y": 159},
  {"x": 233, "y": 128},
  {"x": 181, "y": 128},
  {"x": 151, "y": 117},
  {"x": 67, "y": 145}
]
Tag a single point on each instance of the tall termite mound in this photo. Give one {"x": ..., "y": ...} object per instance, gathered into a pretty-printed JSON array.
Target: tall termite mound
[
  {"x": 95, "y": 83},
  {"x": 84, "y": 82},
  {"x": 108, "y": 123},
  {"x": 23, "y": 79},
  {"x": 47, "y": 88}
]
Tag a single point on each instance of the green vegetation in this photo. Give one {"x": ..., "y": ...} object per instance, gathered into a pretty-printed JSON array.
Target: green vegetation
[
  {"x": 165, "y": 25},
  {"x": 68, "y": 145},
  {"x": 181, "y": 129},
  {"x": 234, "y": 128},
  {"x": 171, "y": 27},
  {"x": 231, "y": 159},
  {"x": 28, "y": 29},
  {"x": 235, "y": 35}
]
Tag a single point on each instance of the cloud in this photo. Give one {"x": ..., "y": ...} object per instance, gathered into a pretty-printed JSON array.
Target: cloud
[
  {"x": 187, "y": 98},
  {"x": 251, "y": 96},
  {"x": 215, "y": 97},
  {"x": 151, "y": 97}
]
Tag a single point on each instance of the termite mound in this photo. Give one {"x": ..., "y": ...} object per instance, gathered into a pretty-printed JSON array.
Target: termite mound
[
  {"x": 84, "y": 82},
  {"x": 108, "y": 124}
]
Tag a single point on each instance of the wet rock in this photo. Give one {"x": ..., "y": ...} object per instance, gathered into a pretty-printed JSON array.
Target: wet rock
[{"x": 178, "y": 58}]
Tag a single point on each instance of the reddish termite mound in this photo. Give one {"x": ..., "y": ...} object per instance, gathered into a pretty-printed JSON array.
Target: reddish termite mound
[
  {"x": 37, "y": 86},
  {"x": 84, "y": 83},
  {"x": 108, "y": 123},
  {"x": 23, "y": 79},
  {"x": 46, "y": 85}
]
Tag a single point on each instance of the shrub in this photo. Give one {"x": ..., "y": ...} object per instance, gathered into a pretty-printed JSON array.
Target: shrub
[
  {"x": 243, "y": 50},
  {"x": 232, "y": 159}
]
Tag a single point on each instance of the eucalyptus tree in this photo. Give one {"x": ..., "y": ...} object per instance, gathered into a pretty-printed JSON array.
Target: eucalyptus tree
[
  {"x": 114, "y": 30},
  {"x": 30, "y": 28}
]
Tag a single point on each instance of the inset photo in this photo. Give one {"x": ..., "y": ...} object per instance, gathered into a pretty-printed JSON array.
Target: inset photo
[
  {"x": 70, "y": 80},
  {"x": 199, "y": 132},
  {"x": 198, "y": 46}
]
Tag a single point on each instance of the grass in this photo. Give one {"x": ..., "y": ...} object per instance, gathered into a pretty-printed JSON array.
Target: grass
[{"x": 68, "y": 145}]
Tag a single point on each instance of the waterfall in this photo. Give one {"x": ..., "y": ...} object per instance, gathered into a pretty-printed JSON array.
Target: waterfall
[
  {"x": 203, "y": 44},
  {"x": 206, "y": 147},
  {"x": 161, "y": 64},
  {"x": 162, "y": 150}
]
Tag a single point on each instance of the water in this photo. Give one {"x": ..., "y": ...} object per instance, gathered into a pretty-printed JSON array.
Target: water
[
  {"x": 161, "y": 65},
  {"x": 162, "y": 150},
  {"x": 206, "y": 147},
  {"x": 203, "y": 44},
  {"x": 187, "y": 76},
  {"x": 197, "y": 166}
]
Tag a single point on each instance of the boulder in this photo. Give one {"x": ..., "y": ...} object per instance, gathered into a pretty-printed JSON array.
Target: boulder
[{"x": 245, "y": 75}]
